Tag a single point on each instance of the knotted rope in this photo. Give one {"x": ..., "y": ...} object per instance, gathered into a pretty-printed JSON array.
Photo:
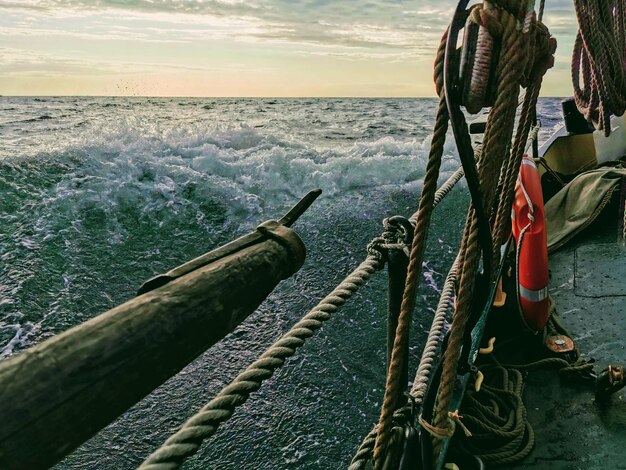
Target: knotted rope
[{"x": 600, "y": 57}]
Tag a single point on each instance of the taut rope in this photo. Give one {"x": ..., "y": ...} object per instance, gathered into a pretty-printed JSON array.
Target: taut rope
[{"x": 188, "y": 439}]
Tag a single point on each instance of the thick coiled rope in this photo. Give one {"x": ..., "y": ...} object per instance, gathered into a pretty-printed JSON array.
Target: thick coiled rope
[
  {"x": 496, "y": 415},
  {"x": 188, "y": 439},
  {"x": 600, "y": 57}
]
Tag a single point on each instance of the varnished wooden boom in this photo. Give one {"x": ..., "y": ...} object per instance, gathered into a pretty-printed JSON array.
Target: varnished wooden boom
[{"x": 57, "y": 394}]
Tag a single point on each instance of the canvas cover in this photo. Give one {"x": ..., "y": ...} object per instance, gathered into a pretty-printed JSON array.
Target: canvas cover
[{"x": 578, "y": 204}]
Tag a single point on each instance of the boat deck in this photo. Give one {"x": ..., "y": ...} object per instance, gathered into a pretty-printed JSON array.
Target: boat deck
[{"x": 572, "y": 430}]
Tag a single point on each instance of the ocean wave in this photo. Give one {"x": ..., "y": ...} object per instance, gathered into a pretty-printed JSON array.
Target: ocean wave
[
  {"x": 124, "y": 186},
  {"x": 112, "y": 180},
  {"x": 43, "y": 117},
  {"x": 239, "y": 164}
]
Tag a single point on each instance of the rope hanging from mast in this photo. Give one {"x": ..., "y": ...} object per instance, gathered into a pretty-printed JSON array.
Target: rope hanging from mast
[
  {"x": 599, "y": 58},
  {"x": 524, "y": 54},
  {"x": 394, "y": 386}
]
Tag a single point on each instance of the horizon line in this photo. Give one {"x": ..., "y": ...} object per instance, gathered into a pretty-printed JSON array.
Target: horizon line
[{"x": 239, "y": 97}]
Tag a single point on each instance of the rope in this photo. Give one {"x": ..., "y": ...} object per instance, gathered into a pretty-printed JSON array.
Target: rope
[
  {"x": 516, "y": 29},
  {"x": 501, "y": 433},
  {"x": 448, "y": 185},
  {"x": 443, "y": 190},
  {"x": 398, "y": 359},
  {"x": 600, "y": 57},
  {"x": 496, "y": 414},
  {"x": 542, "y": 6},
  {"x": 514, "y": 63},
  {"x": 497, "y": 135},
  {"x": 435, "y": 335},
  {"x": 515, "y": 66},
  {"x": 511, "y": 171},
  {"x": 188, "y": 439},
  {"x": 364, "y": 452}
]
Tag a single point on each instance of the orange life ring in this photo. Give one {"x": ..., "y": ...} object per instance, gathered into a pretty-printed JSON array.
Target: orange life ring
[{"x": 529, "y": 230}]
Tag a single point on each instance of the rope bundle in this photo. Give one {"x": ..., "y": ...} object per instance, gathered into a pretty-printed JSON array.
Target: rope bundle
[
  {"x": 525, "y": 54},
  {"x": 496, "y": 415},
  {"x": 523, "y": 48},
  {"x": 600, "y": 58}
]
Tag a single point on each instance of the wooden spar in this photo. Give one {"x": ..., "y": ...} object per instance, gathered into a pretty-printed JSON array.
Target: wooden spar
[{"x": 59, "y": 393}]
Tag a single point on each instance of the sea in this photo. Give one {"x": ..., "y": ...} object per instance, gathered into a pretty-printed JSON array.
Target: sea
[{"x": 98, "y": 194}]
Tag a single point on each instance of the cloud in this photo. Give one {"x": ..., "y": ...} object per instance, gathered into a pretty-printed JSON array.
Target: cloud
[
  {"x": 394, "y": 25},
  {"x": 361, "y": 34},
  {"x": 374, "y": 24},
  {"x": 32, "y": 62}
]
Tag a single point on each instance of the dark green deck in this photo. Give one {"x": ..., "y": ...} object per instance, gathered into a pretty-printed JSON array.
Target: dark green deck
[{"x": 588, "y": 284}]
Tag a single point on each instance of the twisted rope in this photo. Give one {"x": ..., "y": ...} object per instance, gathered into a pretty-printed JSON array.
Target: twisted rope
[
  {"x": 513, "y": 67},
  {"x": 188, "y": 439},
  {"x": 542, "y": 49},
  {"x": 443, "y": 190},
  {"x": 364, "y": 452},
  {"x": 511, "y": 170},
  {"x": 394, "y": 375},
  {"x": 435, "y": 335},
  {"x": 599, "y": 56}
]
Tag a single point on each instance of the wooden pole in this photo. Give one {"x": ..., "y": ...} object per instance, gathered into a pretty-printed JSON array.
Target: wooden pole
[{"x": 59, "y": 393}]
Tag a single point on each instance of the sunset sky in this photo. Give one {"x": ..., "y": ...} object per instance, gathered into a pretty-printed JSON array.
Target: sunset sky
[{"x": 236, "y": 47}]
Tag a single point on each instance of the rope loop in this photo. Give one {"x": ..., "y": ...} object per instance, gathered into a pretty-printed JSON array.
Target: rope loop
[{"x": 377, "y": 249}]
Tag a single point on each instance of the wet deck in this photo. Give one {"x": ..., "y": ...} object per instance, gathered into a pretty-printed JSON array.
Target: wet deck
[{"x": 588, "y": 279}]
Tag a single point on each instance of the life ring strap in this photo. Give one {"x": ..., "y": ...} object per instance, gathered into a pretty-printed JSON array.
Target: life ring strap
[{"x": 533, "y": 295}]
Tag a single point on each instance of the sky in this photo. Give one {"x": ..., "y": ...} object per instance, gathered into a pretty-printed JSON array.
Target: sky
[{"x": 382, "y": 48}]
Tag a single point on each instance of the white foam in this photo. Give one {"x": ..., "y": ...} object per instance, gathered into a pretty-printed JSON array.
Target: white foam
[{"x": 160, "y": 170}]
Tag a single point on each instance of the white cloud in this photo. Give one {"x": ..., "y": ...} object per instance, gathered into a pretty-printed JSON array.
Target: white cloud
[{"x": 193, "y": 33}]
